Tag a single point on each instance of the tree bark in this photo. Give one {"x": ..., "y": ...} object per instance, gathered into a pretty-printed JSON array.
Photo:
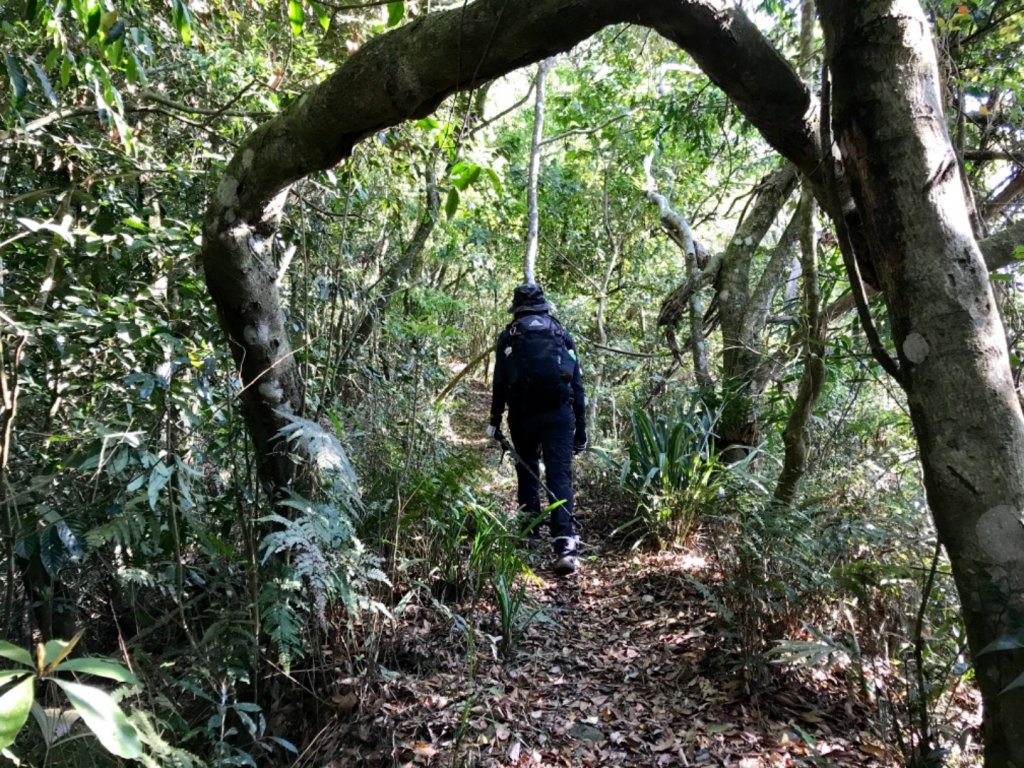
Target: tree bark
[
  {"x": 402, "y": 75},
  {"x": 742, "y": 317},
  {"x": 678, "y": 228},
  {"x": 532, "y": 214},
  {"x": 812, "y": 380},
  {"x": 892, "y": 133}
]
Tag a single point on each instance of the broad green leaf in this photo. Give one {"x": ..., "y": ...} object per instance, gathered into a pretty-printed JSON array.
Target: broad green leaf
[
  {"x": 18, "y": 85},
  {"x": 14, "y": 708},
  {"x": 55, "y": 651},
  {"x": 44, "y": 81},
  {"x": 495, "y": 182},
  {"x": 452, "y": 203},
  {"x": 396, "y": 11},
  {"x": 101, "y": 667},
  {"x": 16, "y": 653},
  {"x": 296, "y": 16},
  {"x": 157, "y": 480},
  {"x": 93, "y": 26},
  {"x": 104, "y": 718},
  {"x": 182, "y": 21}
]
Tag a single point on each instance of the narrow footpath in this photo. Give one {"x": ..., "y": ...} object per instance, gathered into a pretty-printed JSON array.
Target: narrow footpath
[{"x": 621, "y": 666}]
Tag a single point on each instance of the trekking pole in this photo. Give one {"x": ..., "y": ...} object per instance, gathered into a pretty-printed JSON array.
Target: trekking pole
[{"x": 506, "y": 447}]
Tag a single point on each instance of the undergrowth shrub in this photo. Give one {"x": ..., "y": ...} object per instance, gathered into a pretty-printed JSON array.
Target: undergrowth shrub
[
  {"x": 673, "y": 471},
  {"x": 324, "y": 561},
  {"x": 848, "y": 582}
]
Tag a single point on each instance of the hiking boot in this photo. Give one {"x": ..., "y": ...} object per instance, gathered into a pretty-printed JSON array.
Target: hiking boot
[{"x": 566, "y": 564}]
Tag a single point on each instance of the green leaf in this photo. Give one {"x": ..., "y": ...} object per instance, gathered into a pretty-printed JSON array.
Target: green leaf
[
  {"x": 395, "y": 12},
  {"x": 18, "y": 85},
  {"x": 495, "y": 182},
  {"x": 182, "y": 21},
  {"x": 133, "y": 68},
  {"x": 157, "y": 480},
  {"x": 44, "y": 81},
  {"x": 104, "y": 718},
  {"x": 16, "y": 653},
  {"x": 452, "y": 203},
  {"x": 65, "y": 71},
  {"x": 93, "y": 26},
  {"x": 100, "y": 667},
  {"x": 55, "y": 651},
  {"x": 14, "y": 708},
  {"x": 321, "y": 15},
  {"x": 464, "y": 174},
  {"x": 30, "y": 9},
  {"x": 296, "y": 16}
]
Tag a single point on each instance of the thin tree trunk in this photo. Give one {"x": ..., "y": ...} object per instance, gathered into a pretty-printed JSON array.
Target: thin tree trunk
[
  {"x": 812, "y": 380},
  {"x": 678, "y": 229},
  {"x": 595, "y": 393},
  {"x": 953, "y": 359},
  {"x": 532, "y": 214},
  {"x": 794, "y": 436}
]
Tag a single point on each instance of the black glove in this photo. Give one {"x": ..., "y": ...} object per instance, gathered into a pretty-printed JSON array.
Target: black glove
[{"x": 579, "y": 443}]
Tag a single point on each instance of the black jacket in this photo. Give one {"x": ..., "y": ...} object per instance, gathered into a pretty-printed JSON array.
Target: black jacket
[{"x": 500, "y": 392}]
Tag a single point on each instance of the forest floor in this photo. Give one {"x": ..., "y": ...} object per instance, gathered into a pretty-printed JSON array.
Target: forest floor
[{"x": 621, "y": 666}]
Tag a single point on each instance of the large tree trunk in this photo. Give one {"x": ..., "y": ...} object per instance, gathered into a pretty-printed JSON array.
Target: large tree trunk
[{"x": 892, "y": 134}]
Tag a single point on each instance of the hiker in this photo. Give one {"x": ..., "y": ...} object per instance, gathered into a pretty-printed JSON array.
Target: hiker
[{"x": 537, "y": 375}]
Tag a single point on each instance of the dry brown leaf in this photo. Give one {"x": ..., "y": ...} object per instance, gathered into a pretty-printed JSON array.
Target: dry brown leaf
[{"x": 422, "y": 749}]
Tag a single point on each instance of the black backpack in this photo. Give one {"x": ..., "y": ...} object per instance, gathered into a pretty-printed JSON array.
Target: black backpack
[{"x": 539, "y": 364}]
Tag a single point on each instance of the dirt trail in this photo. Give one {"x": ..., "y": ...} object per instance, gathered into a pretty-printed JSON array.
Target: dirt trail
[{"x": 619, "y": 668}]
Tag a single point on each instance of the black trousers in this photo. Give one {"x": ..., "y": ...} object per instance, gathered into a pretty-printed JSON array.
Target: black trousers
[{"x": 549, "y": 435}]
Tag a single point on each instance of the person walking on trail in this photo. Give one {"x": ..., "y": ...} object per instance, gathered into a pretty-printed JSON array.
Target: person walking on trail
[{"x": 537, "y": 375}]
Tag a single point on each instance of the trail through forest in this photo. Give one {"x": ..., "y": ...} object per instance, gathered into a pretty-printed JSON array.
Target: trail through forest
[{"x": 622, "y": 666}]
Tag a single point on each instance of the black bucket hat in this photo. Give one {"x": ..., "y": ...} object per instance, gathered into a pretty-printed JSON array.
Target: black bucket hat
[{"x": 529, "y": 298}]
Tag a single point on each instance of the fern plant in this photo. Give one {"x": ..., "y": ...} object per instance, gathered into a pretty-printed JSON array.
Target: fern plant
[{"x": 312, "y": 555}]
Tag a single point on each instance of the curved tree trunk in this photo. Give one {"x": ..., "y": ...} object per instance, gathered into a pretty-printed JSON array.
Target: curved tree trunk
[
  {"x": 405, "y": 74},
  {"x": 892, "y": 132},
  {"x": 402, "y": 75}
]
